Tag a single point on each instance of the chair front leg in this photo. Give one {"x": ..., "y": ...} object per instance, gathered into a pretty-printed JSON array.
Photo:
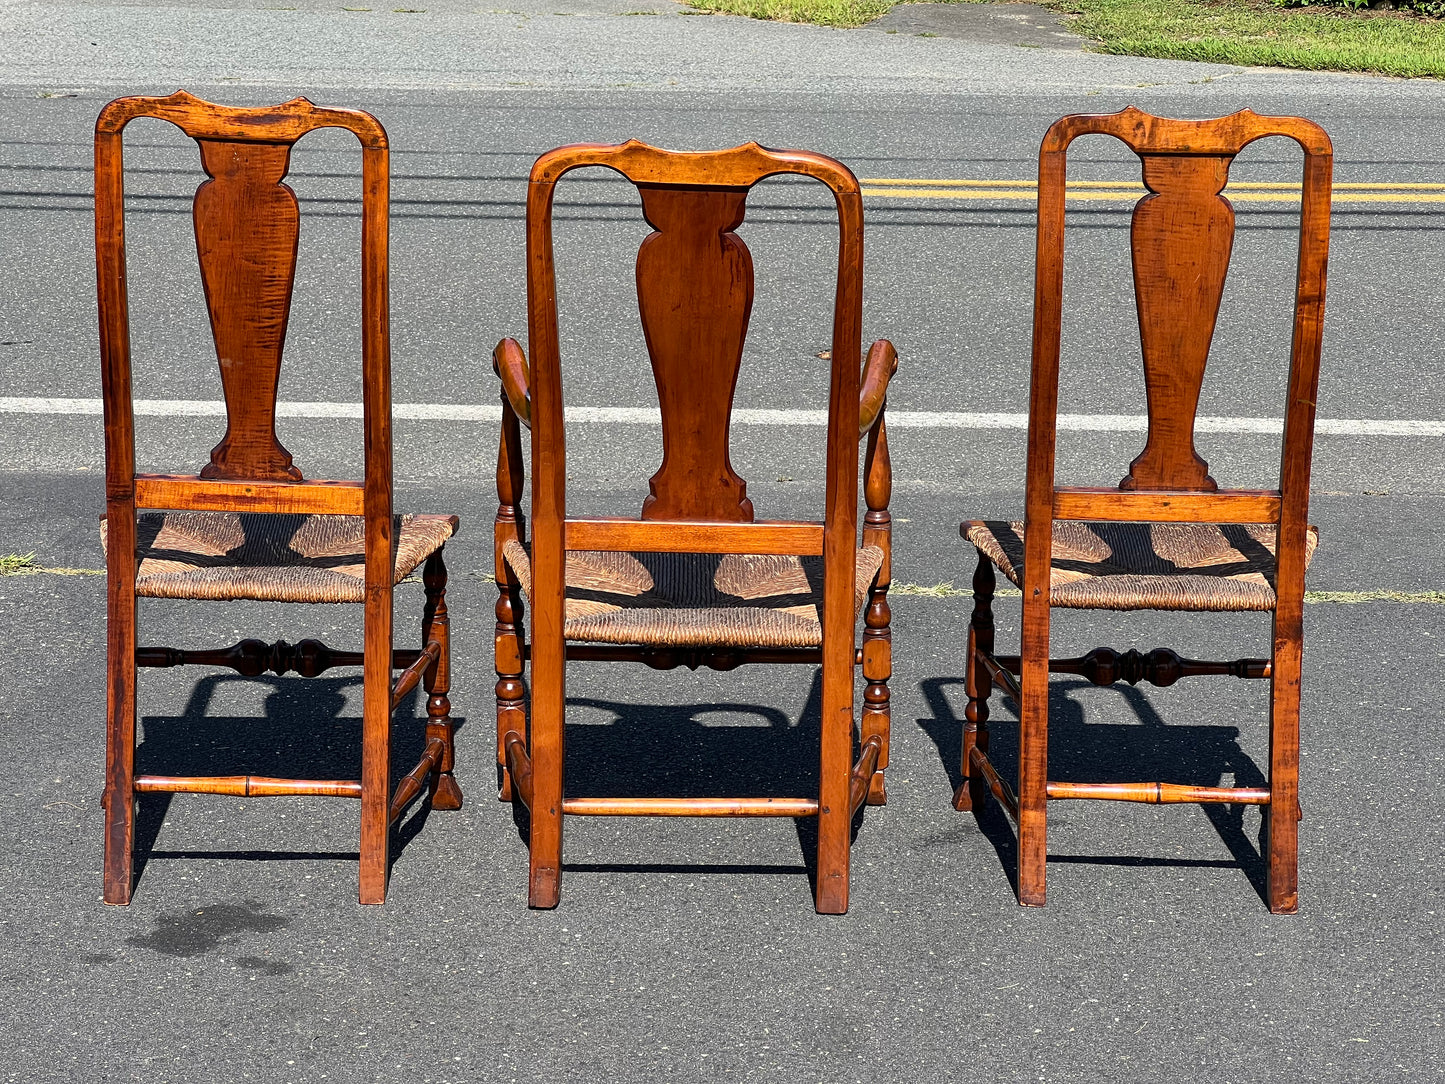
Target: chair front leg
[
  {"x": 877, "y": 631},
  {"x": 972, "y": 793},
  {"x": 511, "y": 688},
  {"x": 436, "y": 625},
  {"x": 877, "y": 669}
]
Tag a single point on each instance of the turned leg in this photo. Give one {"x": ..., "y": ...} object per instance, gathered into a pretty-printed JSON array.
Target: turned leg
[
  {"x": 511, "y": 690},
  {"x": 436, "y": 625},
  {"x": 878, "y": 657},
  {"x": 978, "y": 683},
  {"x": 877, "y": 669}
]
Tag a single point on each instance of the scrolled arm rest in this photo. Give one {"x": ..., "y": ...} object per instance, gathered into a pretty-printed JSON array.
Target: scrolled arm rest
[
  {"x": 510, "y": 364},
  {"x": 882, "y": 363}
]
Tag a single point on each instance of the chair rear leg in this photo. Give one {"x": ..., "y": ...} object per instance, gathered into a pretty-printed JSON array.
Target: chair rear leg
[
  {"x": 877, "y": 669},
  {"x": 436, "y": 625},
  {"x": 511, "y": 689},
  {"x": 1283, "y": 812},
  {"x": 1033, "y": 752},
  {"x": 119, "y": 796},
  {"x": 376, "y": 747},
  {"x": 835, "y": 815},
  {"x": 978, "y": 683},
  {"x": 544, "y": 847}
]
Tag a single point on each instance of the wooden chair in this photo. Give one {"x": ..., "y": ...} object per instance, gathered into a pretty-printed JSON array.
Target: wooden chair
[
  {"x": 696, "y": 580},
  {"x": 248, "y": 526},
  {"x": 1167, "y": 538}
]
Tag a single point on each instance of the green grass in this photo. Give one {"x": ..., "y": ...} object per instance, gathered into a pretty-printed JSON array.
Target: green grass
[
  {"x": 1219, "y": 31},
  {"x": 17, "y": 564},
  {"x": 1259, "y": 32},
  {"x": 821, "y": 12},
  {"x": 23, "y": 564}
]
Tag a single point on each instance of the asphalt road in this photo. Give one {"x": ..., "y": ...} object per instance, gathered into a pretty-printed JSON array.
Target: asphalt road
[{"x": 689, "y": 950}]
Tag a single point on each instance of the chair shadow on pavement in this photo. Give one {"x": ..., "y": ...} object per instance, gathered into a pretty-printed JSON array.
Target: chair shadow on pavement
[
  {"x": 1203, "y": 755},
  {"x": 302, "y": 733},
  {"x": 692, "y": 750}
]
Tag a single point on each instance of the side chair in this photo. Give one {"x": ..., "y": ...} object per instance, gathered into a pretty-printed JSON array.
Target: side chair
[
  {"x": 1167, "y": 537},
  {"x": 695, "y": 579},
  {"x": 248, "y": 525}
]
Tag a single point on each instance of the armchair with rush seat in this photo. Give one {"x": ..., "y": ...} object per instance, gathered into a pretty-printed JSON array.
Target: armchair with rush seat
[
  {"x": 1167, "y": 537},
  {"x": 695, "y": 580},
  {"x": 248, "y": 526}
]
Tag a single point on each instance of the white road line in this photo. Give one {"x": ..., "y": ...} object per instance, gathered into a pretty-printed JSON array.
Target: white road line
[{"x": 897, "y": 419}]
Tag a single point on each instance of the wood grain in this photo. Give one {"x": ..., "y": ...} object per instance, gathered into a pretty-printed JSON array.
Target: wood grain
[
  {"x": 695, "y": 293},
  {"x": 690, "y": 536},
  {"x": 248, "y": 226},
  {"x": 191, "y": 493}
]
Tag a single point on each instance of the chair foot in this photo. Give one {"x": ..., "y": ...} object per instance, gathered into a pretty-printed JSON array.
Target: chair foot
[
  {"x": 119, "y": 875},
  {"x": 832, "y": 897},
  {"x": 117, "y": 891},
  {"x": 504, "y": 784},
  {"x": 963, "y": 797},
  {"x": 877, "y": 790},
  {"x": 447, "y": 794},
  {"x": 544, "y": 888}
]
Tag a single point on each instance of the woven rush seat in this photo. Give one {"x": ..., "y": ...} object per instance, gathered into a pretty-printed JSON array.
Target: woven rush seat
[
  {"x": 1147, "y": 566},
  {"x": 270, "y": 557},
  {"x": 695, "y": 599}
]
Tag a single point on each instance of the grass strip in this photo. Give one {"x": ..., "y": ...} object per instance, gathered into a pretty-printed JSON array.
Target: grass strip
[
  {"x": 1243, "y": 32},
  {"x": 841, "y": 13},
  {"x": 1259, "y": 32},
  {"x": 23, "y": 564},
  {"x": 1345, "y": 598}
]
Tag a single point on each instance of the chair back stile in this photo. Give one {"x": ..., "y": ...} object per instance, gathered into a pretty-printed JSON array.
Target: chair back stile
[{"x": 695, "y": 324}]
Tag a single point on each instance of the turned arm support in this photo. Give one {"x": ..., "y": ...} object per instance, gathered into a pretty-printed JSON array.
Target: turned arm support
[
  {"x": 510, "y": 364},
  {"x": 882, "y": 363}
]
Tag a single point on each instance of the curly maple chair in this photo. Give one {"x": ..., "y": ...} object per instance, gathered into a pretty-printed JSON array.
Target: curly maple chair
[
  {"x": 1167, "y": 538},
  {"x": 695, "y": 580},
  {"x": 248, "y": 526}
]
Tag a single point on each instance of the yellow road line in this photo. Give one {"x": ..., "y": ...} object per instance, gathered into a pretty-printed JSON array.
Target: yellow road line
[{"x": 1239, "y": 191}]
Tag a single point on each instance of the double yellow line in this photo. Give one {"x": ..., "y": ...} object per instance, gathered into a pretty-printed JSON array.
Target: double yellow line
[{"x": 1238, "y": 191}]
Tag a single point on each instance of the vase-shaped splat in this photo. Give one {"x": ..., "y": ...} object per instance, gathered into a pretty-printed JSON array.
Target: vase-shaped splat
[
  {"x": 1183, "y": 233},
  {"x": 695, "y": 293},
  {"x": 247, "y": 227}
]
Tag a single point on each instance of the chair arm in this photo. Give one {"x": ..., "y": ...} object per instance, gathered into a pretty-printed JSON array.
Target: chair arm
[
  {"x": 510, "y": 363},
  {"x": 882, "y": 363}
]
